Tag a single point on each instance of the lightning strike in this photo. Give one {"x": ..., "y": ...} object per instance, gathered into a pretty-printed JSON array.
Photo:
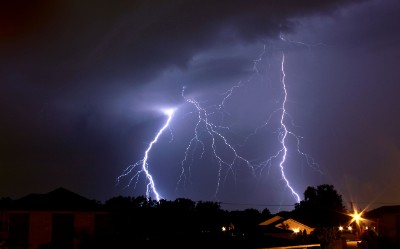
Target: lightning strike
[
  {"x": 209, "y": 134},
  {"x": 205, "y": 125},
  {"x": 151, "y": 186},
  {"x": 285, "y": 132}
]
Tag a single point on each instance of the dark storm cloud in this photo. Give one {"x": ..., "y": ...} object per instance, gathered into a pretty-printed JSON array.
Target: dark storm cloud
[
  {"x": 76, "y": 77},
  {"x": 137, "y": 38},
  {"x": 57, "y": 55},
  {"x": 62, "y": 49}
]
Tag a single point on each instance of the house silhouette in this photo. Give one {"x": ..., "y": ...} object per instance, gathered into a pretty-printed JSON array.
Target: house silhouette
[{"x": 57, "y": 219}]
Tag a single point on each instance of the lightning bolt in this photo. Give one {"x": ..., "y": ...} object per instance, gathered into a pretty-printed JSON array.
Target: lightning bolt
[
  {"x": 205, "y": 125},
  {"x": 151, "y": 186},
  {"x": 284, "y": 132},
  {"x": 210, "y": 134}
]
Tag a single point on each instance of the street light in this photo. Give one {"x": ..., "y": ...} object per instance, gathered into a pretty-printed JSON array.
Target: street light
[{"x": 356, "y": 216}]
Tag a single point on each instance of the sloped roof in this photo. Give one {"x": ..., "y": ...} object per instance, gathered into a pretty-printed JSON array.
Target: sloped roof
[
  {"x": 292, "y": 221},
  {"x": 378, "y": 212},
  {"x": 58, "y": 199},
  {"x": 270, "y": 221},
  {"x": 275, "y": 223}
]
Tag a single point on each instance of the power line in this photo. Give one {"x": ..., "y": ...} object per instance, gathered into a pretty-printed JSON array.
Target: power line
[{"x": 253, "y": 204}]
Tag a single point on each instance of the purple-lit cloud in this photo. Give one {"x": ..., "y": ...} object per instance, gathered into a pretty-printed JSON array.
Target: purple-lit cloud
[{"x": 81, "y": 84}]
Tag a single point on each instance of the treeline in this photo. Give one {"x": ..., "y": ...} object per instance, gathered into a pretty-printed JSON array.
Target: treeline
[
  {"x": 203, "y": 224},
  {"x": 140, "y": 220}
]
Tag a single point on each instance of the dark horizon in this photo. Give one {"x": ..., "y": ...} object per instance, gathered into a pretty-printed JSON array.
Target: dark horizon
[{"x": 224, "y": 206}]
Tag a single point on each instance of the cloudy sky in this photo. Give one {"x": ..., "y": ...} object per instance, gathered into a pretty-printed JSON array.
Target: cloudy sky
[{"x": 84, "y": 85}]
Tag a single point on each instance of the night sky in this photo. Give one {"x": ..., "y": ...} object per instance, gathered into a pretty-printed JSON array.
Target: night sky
[{"x": 83, "y": 85}]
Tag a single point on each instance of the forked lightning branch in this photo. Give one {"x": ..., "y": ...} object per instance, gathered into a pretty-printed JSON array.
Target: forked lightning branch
[{"x": 215, "y": 138}]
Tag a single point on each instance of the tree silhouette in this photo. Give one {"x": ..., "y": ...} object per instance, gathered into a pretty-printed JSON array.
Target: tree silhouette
[
  {"x": 266, "y": 214},
  {"x": 322, "y": 207},
  {"x": 209, "y": 217}
]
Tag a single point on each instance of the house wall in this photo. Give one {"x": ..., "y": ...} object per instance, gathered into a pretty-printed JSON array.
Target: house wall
[
  {"x": 3, "y": 225},
  {"x": 84, "y": 226},
  {"x": 84, "y": 222},
  {"x": 18, "y": 227},
  {"x": 389, "y": 226},
  {"x": 39, "y": 229},
  {"x": 40, "y": 226}
]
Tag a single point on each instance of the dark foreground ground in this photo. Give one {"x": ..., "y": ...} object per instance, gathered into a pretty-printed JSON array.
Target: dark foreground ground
[{"x": 190, "y": 243}]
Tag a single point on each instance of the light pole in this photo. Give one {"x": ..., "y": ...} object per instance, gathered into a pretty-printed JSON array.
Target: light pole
[{"x": 357, "y": 218}]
